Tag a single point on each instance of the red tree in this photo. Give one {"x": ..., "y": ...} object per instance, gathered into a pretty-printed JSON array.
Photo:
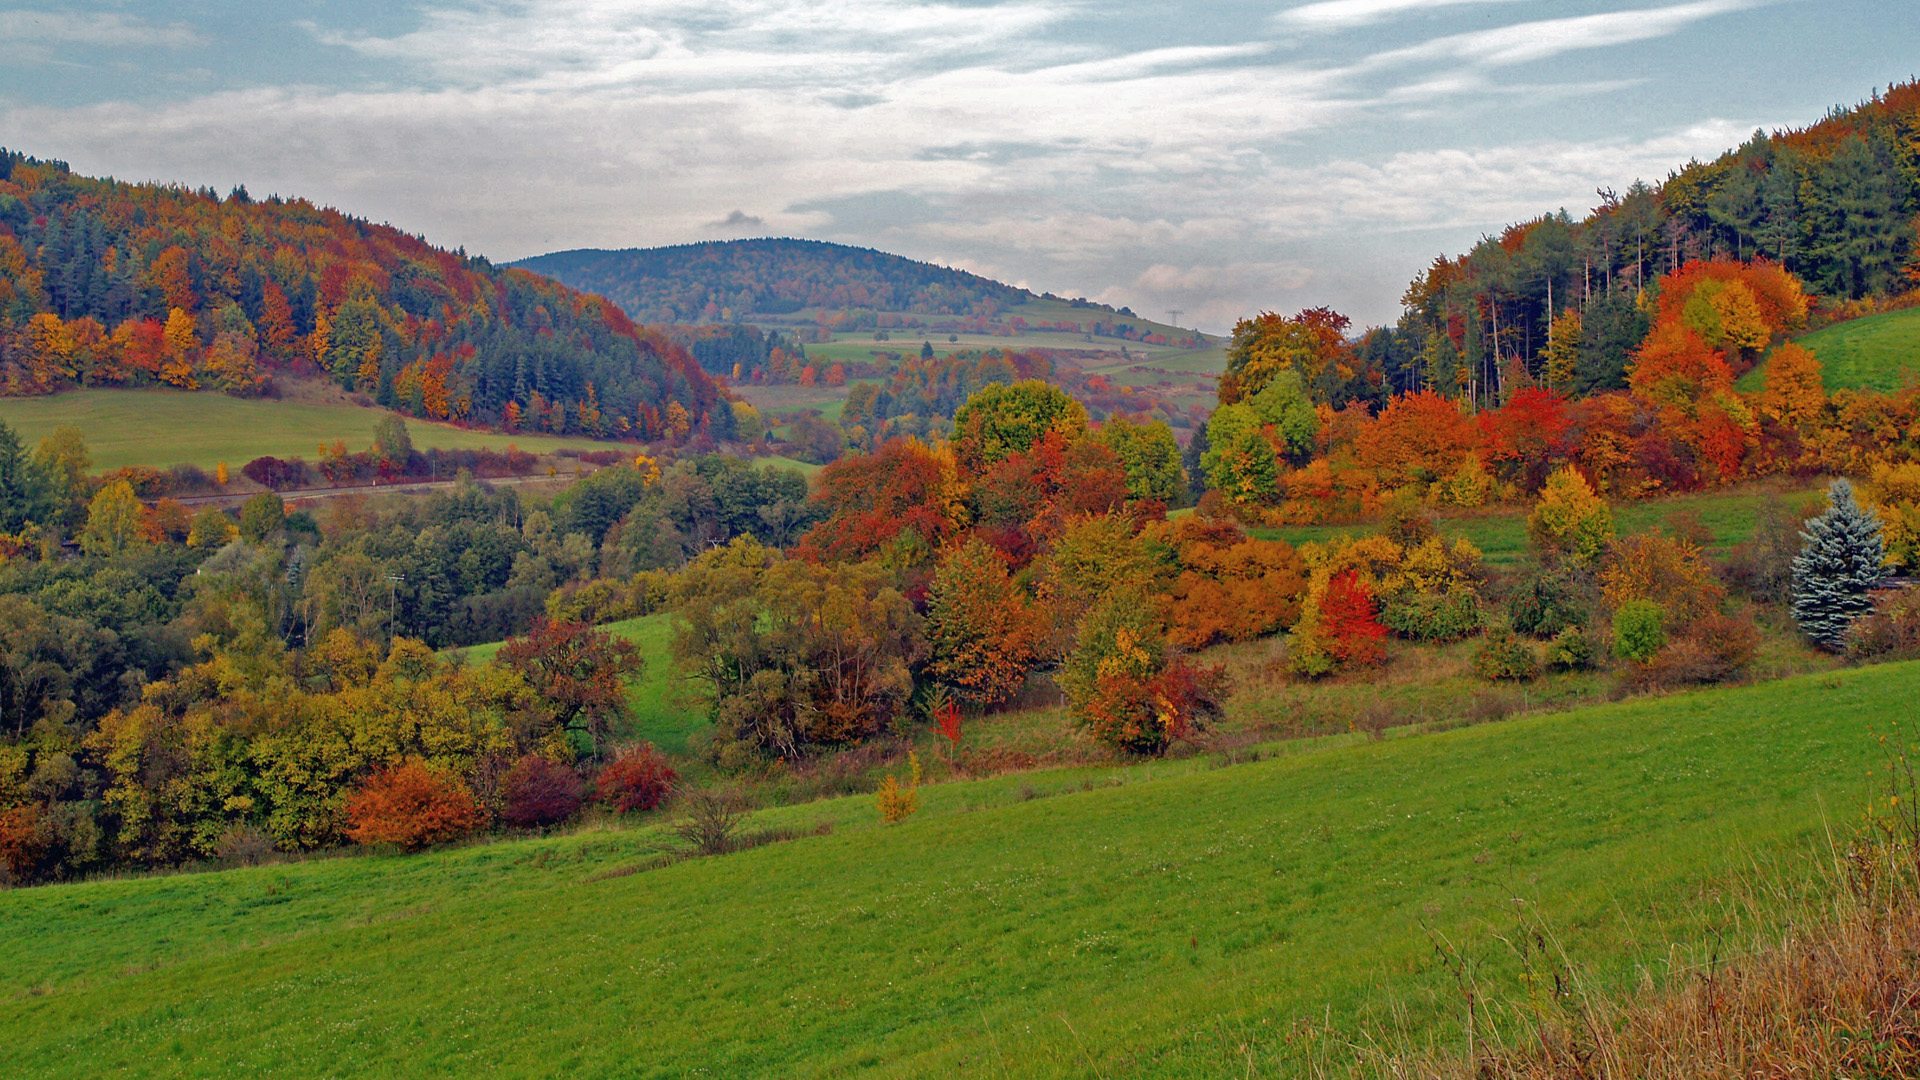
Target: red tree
[
  {"x": 636, "y": 780},
  {"x": 1353, "y": 635},
  {"x": 539, "y": 792}
]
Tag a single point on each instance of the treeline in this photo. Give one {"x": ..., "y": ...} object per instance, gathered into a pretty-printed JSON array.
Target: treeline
[
  {"x": 725, "y": 281},
  {"x": 108, "y": 283}
]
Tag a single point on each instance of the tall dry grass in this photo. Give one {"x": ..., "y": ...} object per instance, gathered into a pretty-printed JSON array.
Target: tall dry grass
[{"x": 1836, "y": 993}]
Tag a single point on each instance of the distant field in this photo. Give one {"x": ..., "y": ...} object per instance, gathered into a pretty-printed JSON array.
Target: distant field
[
  {"x": 1166, "y": 919},
  {"x": 1879, "y": 352},
  {"x": 158, "y": 428},
  {"x": 666, "y": 707},
  {"x": 1502, "y": 535}
]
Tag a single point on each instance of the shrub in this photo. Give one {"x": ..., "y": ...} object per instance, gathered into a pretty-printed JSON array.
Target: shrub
[
  {"x": 1840, "y": 562},
  {"x": 1891, "y": 631},
  {"x": 24, "y": 843},
  {"x": 636, "y": 780},
  {"x": 710, "y": 820},
  {"x": 1570, "y": 521},
  {"x": 538, "y": 792},
  {"x": 1549, "y": 603},
  {"x": 1762, "y": 565},
  {"x": 411, "y": 807},
  {"x": 1431, "y": 617},
  {"x": 1665, "y": 570},
  {"x": 1570, "y": 650},
  {"x": 1504, "y": 656},
  {"x": 896, "y": 801},
  {"x": 1639, "y": 630},
  {"x": 1338, "y": 629}
]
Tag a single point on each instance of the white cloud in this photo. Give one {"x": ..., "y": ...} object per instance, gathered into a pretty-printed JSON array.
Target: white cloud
[
  {"x": 1346, "y": 14},
  {"x": 1528, "y": 42}
]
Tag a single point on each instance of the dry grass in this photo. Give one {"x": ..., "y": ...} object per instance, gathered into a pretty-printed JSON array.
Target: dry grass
[{"x": 1834, "y": 994}]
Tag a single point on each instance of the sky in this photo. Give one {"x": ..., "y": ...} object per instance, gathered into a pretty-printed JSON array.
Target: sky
[{"x": 1215, "y": 157}]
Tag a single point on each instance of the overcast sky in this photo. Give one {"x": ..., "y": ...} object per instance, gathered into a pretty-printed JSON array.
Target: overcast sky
[{"x": 1217, "y": 157}]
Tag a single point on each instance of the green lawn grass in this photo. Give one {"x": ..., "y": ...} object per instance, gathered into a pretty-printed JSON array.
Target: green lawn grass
[
  {"x": 1169, "y": 920},
  {"x": 666, "y": 708},
  {"x": 1878, "y": 352},
  {"x": 157, "y": 428},
  {"x": 1501, "y": 533}
]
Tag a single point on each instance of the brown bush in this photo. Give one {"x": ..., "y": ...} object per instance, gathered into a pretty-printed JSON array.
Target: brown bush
[
  {"x": 538, "y": 792},
  {"x": 1715, "y": 649},
  {"x": 1891, "y": 631},
  {"x": 413, "y": 808}
]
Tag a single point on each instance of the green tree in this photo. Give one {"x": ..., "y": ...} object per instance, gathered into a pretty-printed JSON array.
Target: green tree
[
  {"x": 62, "y": 458},
  {"x": 1284, "y": 404},
  {"x": 262, "y": 516},
  {"x": 1001, "y": 420},
  {"x": 23, "y": 486},
  {"x": 1152, "y": 457},
  {"x": 392, "y": 443},
  {"x": 1570, "y": 521},
  {"x": 1842, "y": 557},
  {"x": 1239, "y": 461}
]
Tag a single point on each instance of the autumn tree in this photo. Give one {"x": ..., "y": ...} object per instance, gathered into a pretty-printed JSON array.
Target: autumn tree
[
  {"x": 115, "y": 521},
  {"x": 982, "y": 630},
  {"x": 1127, "y": 688},
  {"x": 579, "y": 674},
  {"x": 1570, "y": 522},
  {"x": 1240, "y": 461}
]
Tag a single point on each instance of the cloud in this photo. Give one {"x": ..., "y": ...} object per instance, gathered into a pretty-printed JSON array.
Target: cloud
[
  {"x": 739, "y": 220},
  {"x": 1525, "y": 43},
  {"x": 1347, "y": 14},
  {"x": 32, "y": 36}
]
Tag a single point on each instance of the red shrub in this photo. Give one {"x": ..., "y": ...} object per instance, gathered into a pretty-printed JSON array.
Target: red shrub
[
  {"x": 411, "y": 807},
  {"x": 636, "y": 780},
  {"x": 539, "y": 792},
  {"x": 1354, "y": 636},
  {"x": 1146, "y": 715}
]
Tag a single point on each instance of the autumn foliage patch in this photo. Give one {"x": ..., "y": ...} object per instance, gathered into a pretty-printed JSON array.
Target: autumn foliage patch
[{"x": 412, "y": 807}]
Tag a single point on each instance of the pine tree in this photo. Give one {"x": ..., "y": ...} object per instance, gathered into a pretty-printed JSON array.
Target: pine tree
[{"x": 1840, "y": 560}]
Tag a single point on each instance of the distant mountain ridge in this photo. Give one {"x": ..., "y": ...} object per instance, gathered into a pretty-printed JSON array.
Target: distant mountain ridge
[{"x": 725, "y": 280}]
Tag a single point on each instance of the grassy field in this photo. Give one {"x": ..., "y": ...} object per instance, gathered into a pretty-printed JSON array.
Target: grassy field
[
  {"x": 666, "y": 708},
  {"x": 1501, "y": 534},
  {"x": 1879, "y": 352},
  {"x": 158, "y": 428},
  {"x": 1167, "y": 919}
]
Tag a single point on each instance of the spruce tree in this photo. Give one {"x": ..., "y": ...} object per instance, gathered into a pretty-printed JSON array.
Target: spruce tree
[{"x": 1840, "y": 560}]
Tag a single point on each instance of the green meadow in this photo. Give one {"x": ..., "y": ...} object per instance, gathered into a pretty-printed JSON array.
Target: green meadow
[
  {"x": 1878, "y": 352},
  {"x": 157, "y": 428},
  {"x": 1183, "y": 918}
]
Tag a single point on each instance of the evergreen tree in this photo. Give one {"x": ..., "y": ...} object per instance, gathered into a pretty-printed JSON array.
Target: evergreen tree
[{"x": 1840, "y": 561}]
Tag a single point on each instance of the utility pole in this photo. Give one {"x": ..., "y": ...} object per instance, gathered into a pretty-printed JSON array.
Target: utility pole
[{"x": 1173, "y": 317}]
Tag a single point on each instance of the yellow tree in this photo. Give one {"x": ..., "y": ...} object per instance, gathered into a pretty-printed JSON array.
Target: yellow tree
[
  {"x": 1570, "y": 521},
  {"x": 1795, "y": 394},
  {"x": 1563, "y": 348},
  {"x": 115, "y": 521},
  {"x": 182, "y": 343}
]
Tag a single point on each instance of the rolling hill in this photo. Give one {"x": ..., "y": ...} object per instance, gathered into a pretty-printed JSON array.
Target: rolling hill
[
  {"x": 1168, "y": 919},
  {"x": 732, "y": 280}
]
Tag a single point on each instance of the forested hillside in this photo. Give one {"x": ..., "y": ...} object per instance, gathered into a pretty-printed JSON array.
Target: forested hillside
[
  {"x": 110, "y": 283},
  {"x": 1612, "y": 344},
  {"x": 1832, "y": 204},
  {"x": 729, "y": 280}
]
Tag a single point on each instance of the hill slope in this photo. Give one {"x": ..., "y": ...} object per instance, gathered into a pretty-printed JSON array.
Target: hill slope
[
  {"x": 1878, "y": 352},
  {"x": 108, "y": 283},
  {"x": 1184, "y": 923},
  {"x": 732, "y": 279}
]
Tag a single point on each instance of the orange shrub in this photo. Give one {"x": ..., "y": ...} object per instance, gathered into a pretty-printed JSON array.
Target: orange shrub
[
  {"x": 411, "y": 807},
  {"x": 637, "y": 780}
]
